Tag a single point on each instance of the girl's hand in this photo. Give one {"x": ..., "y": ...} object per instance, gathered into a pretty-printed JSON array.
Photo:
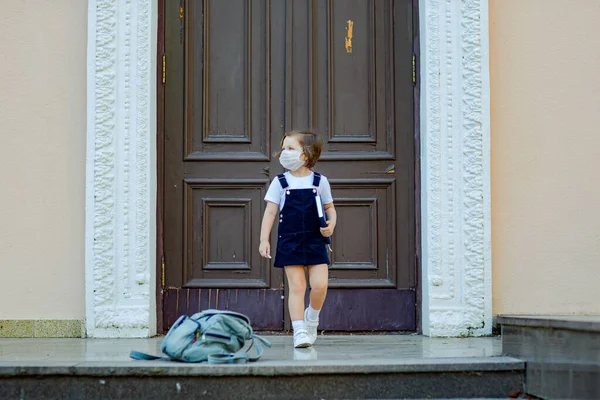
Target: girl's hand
[
  {"x": 265, "y": 249},
  {"x": 326, "y": 232}
]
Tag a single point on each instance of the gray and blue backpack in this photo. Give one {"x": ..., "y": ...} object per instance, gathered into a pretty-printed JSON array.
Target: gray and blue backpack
[{"x": 212, "y": 336}]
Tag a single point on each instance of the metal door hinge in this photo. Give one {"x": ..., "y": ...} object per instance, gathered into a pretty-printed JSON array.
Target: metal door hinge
[
  {"x": 181, "y": 20},
  {"x": 414, "y": 69},
  {"x": 162, "y": 268},
  {"x": 164, "y": 69}
]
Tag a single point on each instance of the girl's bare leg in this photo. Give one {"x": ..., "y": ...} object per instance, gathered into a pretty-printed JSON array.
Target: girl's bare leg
[
  {"x": 297, "y": 289},
  {"x": 318, "y": 276}
]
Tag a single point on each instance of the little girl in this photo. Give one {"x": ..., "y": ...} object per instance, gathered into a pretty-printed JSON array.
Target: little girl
[{"x": 300, "y": 237}]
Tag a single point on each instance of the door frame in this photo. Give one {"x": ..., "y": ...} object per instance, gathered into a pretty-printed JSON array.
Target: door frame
[
  {"x": 160, "y": 157},
  {"x": 160, "y": 109},
  {"x": 417, "y": 166},
  {"x": 452, "y": 121}
]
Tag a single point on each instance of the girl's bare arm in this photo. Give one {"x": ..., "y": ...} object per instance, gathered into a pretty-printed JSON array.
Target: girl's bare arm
[
  {"x": 331, "y": 220},
  {"x": 265, "y": 229}
]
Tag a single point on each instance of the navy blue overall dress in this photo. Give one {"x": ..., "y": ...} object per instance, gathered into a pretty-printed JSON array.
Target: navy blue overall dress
[{"x": 299, "y": 239}]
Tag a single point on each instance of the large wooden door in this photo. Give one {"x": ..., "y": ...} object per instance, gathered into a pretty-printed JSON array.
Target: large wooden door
[{"x": 239, "y": 74}]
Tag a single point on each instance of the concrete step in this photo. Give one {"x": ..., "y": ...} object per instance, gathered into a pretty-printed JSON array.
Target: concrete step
[
  {"x": 562, "y": 353},
  {"x": 467, "y": 377}
]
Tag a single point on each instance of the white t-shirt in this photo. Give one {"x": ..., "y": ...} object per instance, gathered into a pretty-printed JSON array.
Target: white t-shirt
[{"x": 276, "y": 194}]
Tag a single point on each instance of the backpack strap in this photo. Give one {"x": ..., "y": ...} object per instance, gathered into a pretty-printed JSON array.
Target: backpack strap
[
  {"x": 316, "y": 179},
  {"x": 138, "y": 355},
  {"x": 259, "y": 349},
  {"x": 240, "y": 357},
  {"x": 282, "y": 181}
]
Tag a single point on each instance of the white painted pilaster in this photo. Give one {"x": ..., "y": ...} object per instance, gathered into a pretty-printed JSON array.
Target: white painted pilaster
[
  {"x": 455, "y": 162},
  {"x": 121, "y": 168}
]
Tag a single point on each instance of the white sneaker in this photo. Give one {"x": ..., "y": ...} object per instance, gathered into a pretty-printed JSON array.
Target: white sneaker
[
  {"x": 311, "y": 327},
  {"x": 301, "y": 339}
]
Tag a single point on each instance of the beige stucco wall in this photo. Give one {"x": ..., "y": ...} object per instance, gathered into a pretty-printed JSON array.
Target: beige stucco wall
[
  {"x": 545, "y": 157},
  {"x": 545, "y": 93},
  {"x": 42, "y": 158}
]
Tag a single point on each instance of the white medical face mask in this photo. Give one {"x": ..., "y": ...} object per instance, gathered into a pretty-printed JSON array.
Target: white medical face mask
[{"x": 290, "y": 159}]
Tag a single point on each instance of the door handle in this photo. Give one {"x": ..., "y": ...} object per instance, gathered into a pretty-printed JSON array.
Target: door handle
[{"x": 391, "y": 169}]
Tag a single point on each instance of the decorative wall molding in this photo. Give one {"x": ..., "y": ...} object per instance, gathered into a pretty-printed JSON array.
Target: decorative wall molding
[
  {"x": 121, "y": 168},
  {"x": 455, "y": 157}
]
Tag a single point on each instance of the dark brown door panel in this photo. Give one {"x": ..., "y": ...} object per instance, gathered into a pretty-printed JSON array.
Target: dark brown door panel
[
  {"x": 219, "y": 122},
  {"x": 240, "y": 73}
]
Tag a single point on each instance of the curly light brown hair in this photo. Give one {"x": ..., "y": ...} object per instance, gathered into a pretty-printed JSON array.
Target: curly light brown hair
[{"x": 311, "y": 145}]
